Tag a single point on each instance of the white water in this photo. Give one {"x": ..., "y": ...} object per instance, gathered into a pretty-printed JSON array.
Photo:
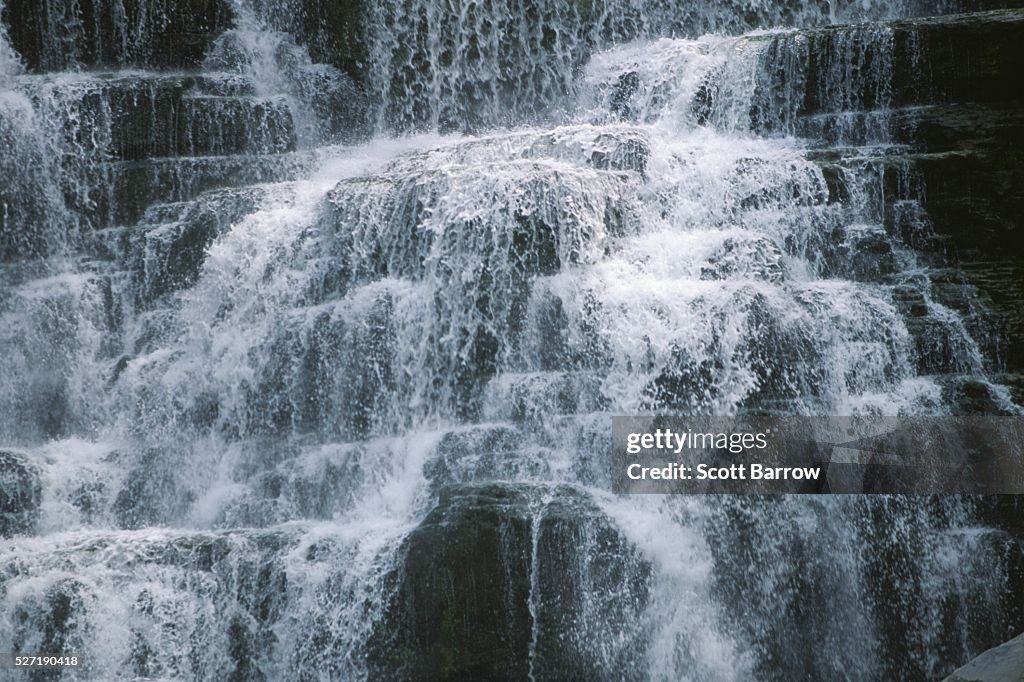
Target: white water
[
  {"x": 468, "y": 65},
  {"x": 642, "y": 255}
]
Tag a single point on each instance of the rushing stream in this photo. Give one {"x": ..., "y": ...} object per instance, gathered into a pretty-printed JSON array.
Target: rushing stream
[{"x": 244, "y": 352}]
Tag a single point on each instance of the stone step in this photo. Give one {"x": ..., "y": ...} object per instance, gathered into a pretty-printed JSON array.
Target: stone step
[
  {"x": 952, "y": 185},
  {"x": 149, "y": 576},
  {"x": 536, "y": 396},
  {"x": 20, "y": 494},
  {"x": 973, "y": 198},
  {"x": 71, "y": 34},
  {"x": 974, "y": 57},
  {"x": 132, "y": 116},
  {"x": 929, "y": 128},
  {"x": 165, "y": 257},
  {"x": 135, "y": 185}
]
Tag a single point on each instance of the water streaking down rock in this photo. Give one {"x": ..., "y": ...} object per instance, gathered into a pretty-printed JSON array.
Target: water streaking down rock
[{"x": 313, "y": 320}]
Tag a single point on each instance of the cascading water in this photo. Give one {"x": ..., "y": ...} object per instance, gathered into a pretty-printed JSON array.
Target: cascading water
[{"x": 267, "y": 399}]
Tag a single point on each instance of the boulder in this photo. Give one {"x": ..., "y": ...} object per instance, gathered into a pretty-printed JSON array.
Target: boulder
[{"x": 508, "y": 581}]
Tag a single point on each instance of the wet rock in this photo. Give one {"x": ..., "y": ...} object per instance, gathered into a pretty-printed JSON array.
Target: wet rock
[
  {"x": 975, "y": 197},
  {"x": 486, "y": 453},
  {"x": 334, "y": 33},
  {"x": 20, "y": 494},
  {"x": 533, "y": 398},
  {"x": 971, "y": 396},
  {"x": 953, "y": 109},
  {"x": 508, "y": 549},
  {"x": 119, "y": 117},
  {"x": 153, "y": 493},
  {"x": 969, "y": 57},
  {"x": 940, "y": 341},
  {"x": 52, "y": 620},
  {"x": 32, "y": 216},
  {"x": 169, "y": 257},
  {"x": 624, "y": 91},
  {"x": 65, "y": 34},
  {"x": 1004, "y": 512},
  {"x": 136, "y": 185},
  {"x": 321, "y": 482},
  {"x": 332, "y": 373},
  {"x": 175, "y": 595},
  {"x": 754, "y": 258}
]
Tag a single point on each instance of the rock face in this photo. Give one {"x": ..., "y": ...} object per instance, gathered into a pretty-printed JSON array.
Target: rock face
[
  {"x": 20, "y": 494},
  {"x": 1001, "y": 664},
  {"x": 947, "y": 109},
  {"x": 511, "y": 550},
  {"x": 966, "y": 141},
  {"x": 94, "y": 33}
]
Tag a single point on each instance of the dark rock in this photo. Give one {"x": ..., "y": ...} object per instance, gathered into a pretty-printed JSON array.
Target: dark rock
[
  {"x": 756, "y": 258},
  {"x": 625, "y": 89},
  {"x": 773, "y": 590},
  {"x": 534, "y": 398},
  {"x": 940, "y": 341},
  {"x": 334, "y": 33},
  {"x": 970, "y": 58},
  {"x": 485, "y": 453},
  {"x": 976, "y": 197},
  {"x": 128, "y": 141},
  {"x": 331, "y": 375},
  {"x": 65, "y": 34},
  {"x": 52, "y": 620},
  {"x": 338, "y": 104},
  {"x": 169, "y": 257},
  {"x": 20, "y": 494},
  {"x": 975, "y": 397},
  {"x": 628, "y": 153},
  {"x": 787, "y": 361},
  {"x": 320, "y": 483},
  {"x": 136, "y": 185},
  {"x": 505, "y": 549},
  {"x": 954, "y": 58},
  {"x": 955, "y": 111},
  {"x": 1002, "y": 512},
  {"x": 152, "y": 494},
  {"x": 129, "y": 118}
]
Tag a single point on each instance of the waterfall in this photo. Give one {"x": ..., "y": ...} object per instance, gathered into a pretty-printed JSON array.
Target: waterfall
[
  {"x": 287, "y": 355},
  {"x": 467, "y": 65}
]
